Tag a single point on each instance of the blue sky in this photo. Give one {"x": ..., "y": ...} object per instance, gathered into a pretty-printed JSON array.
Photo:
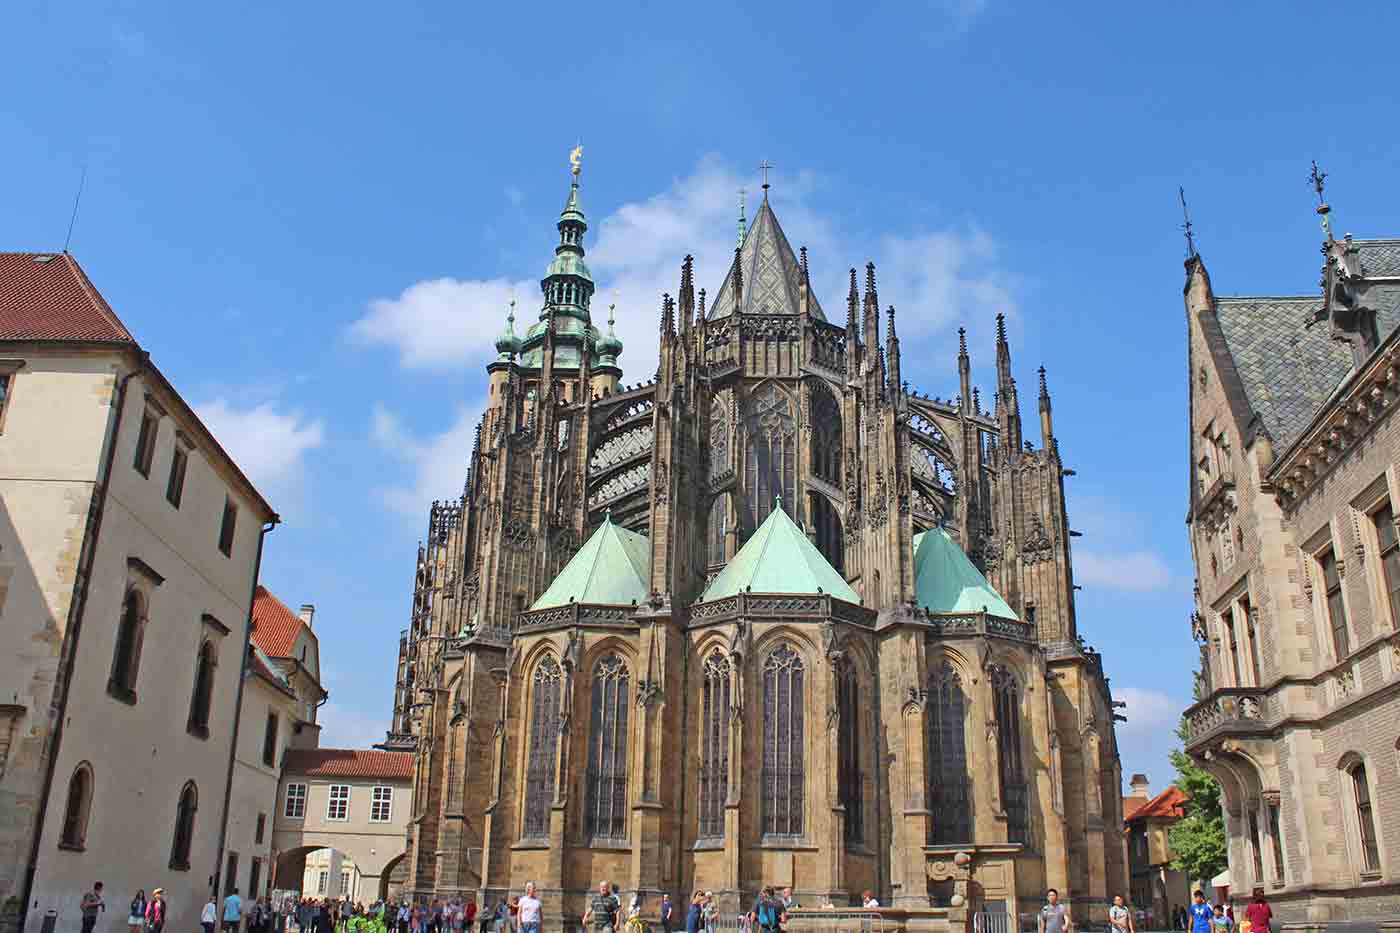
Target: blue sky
[{"x": 312, "y": 214}]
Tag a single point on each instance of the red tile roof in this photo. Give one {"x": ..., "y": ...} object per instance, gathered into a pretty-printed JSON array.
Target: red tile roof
[
  {"x": 257, "y": 662},
  {"x": 275, "y": 627},
  {"x": 349, "y": 762},
  {"x": 46, "y": 296},
  {"x": 1166, "y": 805}
]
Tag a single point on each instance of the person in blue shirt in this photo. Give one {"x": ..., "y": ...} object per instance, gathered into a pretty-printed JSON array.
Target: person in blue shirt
[
  {"x": 233, "y": 912},
  {"x": 1201, "y": 914}
]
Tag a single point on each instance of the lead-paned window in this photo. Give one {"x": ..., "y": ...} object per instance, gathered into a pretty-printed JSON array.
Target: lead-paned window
[
  {"x": 950, "y": 790},
  {"x": 338, "y": 803},
  {"x": 714, "y": 745},
  {"x": 1336, "y": 607},
  {"x": 719, "y": 512},
  {"x": 381, "y": 805},
  {"x": 783, "y": 795},
  {"x": 850, "y": 782},
  {"x": 544, "y": 741},
  {"x": 606, "y": 804},
  {"x": 1390, "y": 558},
  {"x": 1276, "y": 840},
  {"x": 1006, "y": 694},
  {"x": 295, "y": 807},
  {"x": 1366, "y": 821},
  {"x": 1256, "y": 848},
  {"x": 770, "y": 460}
]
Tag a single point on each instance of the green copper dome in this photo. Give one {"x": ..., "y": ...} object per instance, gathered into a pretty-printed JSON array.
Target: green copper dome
[
  {"x": 609, "y": 347},
  {"x": 508, "y": 344}
]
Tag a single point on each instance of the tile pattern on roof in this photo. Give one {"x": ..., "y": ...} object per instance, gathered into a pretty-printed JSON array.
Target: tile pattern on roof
[
  {"x": 772, "y": 274},
  {"x": 275, "y": 627},
  {"x": 46, "y": 296},
  {"x": 349, "y": 762},
  {"x": 1169, "y": 804}
]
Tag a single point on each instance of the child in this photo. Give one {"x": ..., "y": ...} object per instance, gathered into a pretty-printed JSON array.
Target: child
[{"x": 1220, "y": 923}]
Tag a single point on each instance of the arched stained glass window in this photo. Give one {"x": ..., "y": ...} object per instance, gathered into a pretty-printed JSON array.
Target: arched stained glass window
[
  {"x": 1006, "y": 697},
  {"x": 849, "y": 779},
  {"x": 544, "y": 742},
  {"x": 770, "y": 459},
  {"x": 714, "y": 535},
  {"x": 606, "y": 813},
  {"x": 949, "y": 790},
  {"x": 714, "y": 745},
  {"x": 719, "y": 438},
  {"x": 827, "y": 525},
  {"x": 826, "y": 435},
  {"x": 783, "y": 750}
]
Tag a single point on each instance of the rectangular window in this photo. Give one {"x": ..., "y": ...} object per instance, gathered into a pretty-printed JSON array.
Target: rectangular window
[
  {"x": 226, "y": 527},
  {"x": 1276, "y": 839},
  {"x": 1233, "y": 646},
  {"x": 1247, "y": 611},
  {"x": 1390, "y": 559},
  {"x": 345, "y": 882},
  {"x": 261, "y": 829},
  {"x": 295, "y": 807},
  {"x": 231, "y": 874},
  {"x": 321, "y": 882},
  {"x": 254, "y": 878},
  {"x": 146, "y": 443},
  {"x": 1366, "y": 822},
  {"x": 5, "y": 379},
  {"x": 382, "y": 806},
  {"x": 270, "y": 741},
  {"x": 338, "y": 804},
  {"x": 1336, "y": 608},
  {"x": 1256, "y": 851},
  {"x": 175, "y": 487}
]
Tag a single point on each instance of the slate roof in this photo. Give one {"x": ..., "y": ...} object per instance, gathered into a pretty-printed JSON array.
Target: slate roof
[
  {"x": 46, "y": 296},
  {"x": 779, "y": 559},
  {"x": 1287, "y": 368},
  {"x": 946, "y": 581},
  {"x": 262, "y": 665},
  {"x": 275, "y": 627},
  {"x": 772, "y": 274},
  {"x": 613, "y": 568},
  {"x": 349, "y": 762},
  {"x": 1169, "y": 804}
]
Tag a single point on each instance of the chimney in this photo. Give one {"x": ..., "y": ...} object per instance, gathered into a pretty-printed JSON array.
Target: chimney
[
  {"x": 1138, "y": 782},
  {"x": 308, "y": 612}
]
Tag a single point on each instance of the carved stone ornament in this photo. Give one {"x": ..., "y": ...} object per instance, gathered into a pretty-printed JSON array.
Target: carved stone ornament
[
  {"x": 1038, "y": 546},
  {"x": 648, "y": 693},
  {"x": 1198, "y": 627},
  {"x": 518, "y": 535}
]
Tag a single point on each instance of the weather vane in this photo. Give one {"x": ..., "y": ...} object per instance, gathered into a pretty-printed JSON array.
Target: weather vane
[
  {"x": 1317, "y": 180},
  {"x": 1186, "y": 224},
  {"x": 576, "y": 159}
]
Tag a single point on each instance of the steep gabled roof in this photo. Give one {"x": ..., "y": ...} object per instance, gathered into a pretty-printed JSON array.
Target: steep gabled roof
[
  {"x": 612, "y": 568},
  {"x": 772, "y": 274},
  {"x": 946, "y": 581},
  {"x": 779, "y": 559},
  {"x": 275, "y": 627},
  {"x": 1169, "y": 804},
  {"x": 349, "y": 762},
  {"x": 46, "y": 296}
]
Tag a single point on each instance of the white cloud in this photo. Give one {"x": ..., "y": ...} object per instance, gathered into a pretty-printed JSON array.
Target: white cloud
[
  {"x": 343, "y": 727},
  {"x": 1138, "y": 571},
  {"x": 935, "y": 278},
  {"x": 1148, "y": 711},
  {"x": 438, "y": 463},
  {"x": 268, "y": 445}
]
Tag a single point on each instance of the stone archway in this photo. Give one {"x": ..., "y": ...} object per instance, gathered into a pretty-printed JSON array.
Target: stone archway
[{"x": 394, "y": 875}]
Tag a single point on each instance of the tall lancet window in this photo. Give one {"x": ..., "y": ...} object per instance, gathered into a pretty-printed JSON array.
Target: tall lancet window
[
  {"x": 606, "y": 813},
  {"x": 544, "y": 743},
  {"x": 1006, "y": 696},
  {"x": 826, "y": 435},
  {"x": 714, "y": 745},
  {"x": 826, "y": 524},
  {"x": 714, "y": 535},
  {"x": 783, "y": 750},
  {"x": 770, "y": 460},
  {"x": 949, "y": 789},
  {"x": 719, "y": 438},
  {"x": 849, "y": 780}
]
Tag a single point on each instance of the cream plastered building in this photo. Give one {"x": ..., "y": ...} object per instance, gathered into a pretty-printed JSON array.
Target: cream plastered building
[
  {"x": 281, "y": 695},
  {"x": 1293, "y": 504},
  {"x": 332, "y": 874},
  {"x": 129, "y": 551},
  {"x": 358, "y": 802}
]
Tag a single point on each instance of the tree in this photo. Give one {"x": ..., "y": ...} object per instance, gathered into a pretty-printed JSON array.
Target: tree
[{"x": 1198, "y": 838}]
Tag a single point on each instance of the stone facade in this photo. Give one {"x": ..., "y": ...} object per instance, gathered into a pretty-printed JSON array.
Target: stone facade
[
  {"x": 527, "y": 768},
  {"x": 129, "y": 547},
  {"x": 1156, "y": 887},
  {"x": 1294, "y": 446}
]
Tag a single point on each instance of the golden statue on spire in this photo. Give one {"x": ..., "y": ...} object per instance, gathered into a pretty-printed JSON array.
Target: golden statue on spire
[{"x": 576, "y": 159}]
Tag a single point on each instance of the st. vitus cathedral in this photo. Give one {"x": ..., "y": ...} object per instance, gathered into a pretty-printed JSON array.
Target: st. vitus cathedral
[{"x": 771, "y": 617}]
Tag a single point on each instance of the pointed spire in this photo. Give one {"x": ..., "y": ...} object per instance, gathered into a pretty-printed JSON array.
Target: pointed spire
[
  {"x": 976, "y": 401},
  {"x": 806, "y": 273},
  {"x": 738, "y": 278},
  {"x": 1044, "y": 392},
  {"x": 700, "y": 309},
  {"x": 871, "y": 296},
  {"x": 1047, "y": 428},
  {"x": 687, "y": 292},
  {"x": 893, "y": 341},
  {"x": 962, "y": 343},
  {"x": 852, "y": 301},
  {"x": 743, "y": 221}
]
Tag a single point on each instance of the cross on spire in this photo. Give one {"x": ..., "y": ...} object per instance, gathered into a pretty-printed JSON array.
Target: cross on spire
[
  {"x": 763, "y": 167},
  {"x": 1186, "y": 224}
]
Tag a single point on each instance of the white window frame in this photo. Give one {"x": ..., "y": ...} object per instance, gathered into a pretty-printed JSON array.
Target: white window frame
[
  {"x": 322, "y": 880},
  {"x": 386, "y": 800},
  {"x": 338, "y": 794},
  {"x": 296, "y": 793}
]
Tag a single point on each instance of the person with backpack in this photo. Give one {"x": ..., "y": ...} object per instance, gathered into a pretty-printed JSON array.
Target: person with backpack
[{"x": 767, "y": 911}]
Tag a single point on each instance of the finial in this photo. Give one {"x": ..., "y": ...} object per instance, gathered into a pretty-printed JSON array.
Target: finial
[
  {"x": 805, "y": 276},
  {"x": 743, "y": 223},
  {"x": 738, "y": 280},
  {"x": 576, "y": 160},
  {"x": 854, "y": 295},
  {"x": 607, "y": 515},
  {"x": 701, "y": 312},
  {"x": 962, "y": 341},
  {"x": 510, "y": 315},
  {"x": 1318, "y": 179},
  {"x": 1186, "y": 224},
  {"x": 891, "y": 325},
  {"x": 1044, "y": 392},
  {"x": 764, "y": 166},
  {"x": 611, "y": 309},
  {"x": 976, "y": 400},
  {"x": 870, "y": 278},
  {"x": 778, "y": 502},
  {"x": 1001, "y": 328}
]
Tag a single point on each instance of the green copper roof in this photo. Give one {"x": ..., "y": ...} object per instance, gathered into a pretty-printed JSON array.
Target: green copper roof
[
  {"x": 779, "y": 559},
  {"x": 612, "y": 568},
  {"x": 946, "y": 581}
]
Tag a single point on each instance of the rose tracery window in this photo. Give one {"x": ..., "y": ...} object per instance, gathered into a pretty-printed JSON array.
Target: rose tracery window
[
  {"x": 606, "y": 813},
  {"x": 783, "y": 744},
  {"x": 544, "y": 741},
  {"x": 770, "y": 458},
  {"x": 714, "y": 745},
  {"x": 949, "y": 790}
]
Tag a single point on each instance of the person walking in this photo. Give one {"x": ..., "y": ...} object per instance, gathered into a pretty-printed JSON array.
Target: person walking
[
  {"x": 92, "y": 905},
  {"x": 1201, "y": 915},
  {"x": 602, "y": 910},
  {"x": 1054, "y": 916},
  {"x": 233, "y": 912},
  {"x": 767, "y": 911},
  {"x": 1259, "y": 915},
  {"x": 668, "y": 911},
  {"x": 136, "y": 913},
  {"x": 209, "y": 916},
  {"x": 155, "y": 911},
  {"x": 1220, "y": 922},
  {"x": 529, "y": 910},
  {"x": 1120, "y": 918}
]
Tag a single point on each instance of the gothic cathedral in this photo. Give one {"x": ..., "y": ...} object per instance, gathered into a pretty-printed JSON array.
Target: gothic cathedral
[{"x": 772, "y": 617}]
